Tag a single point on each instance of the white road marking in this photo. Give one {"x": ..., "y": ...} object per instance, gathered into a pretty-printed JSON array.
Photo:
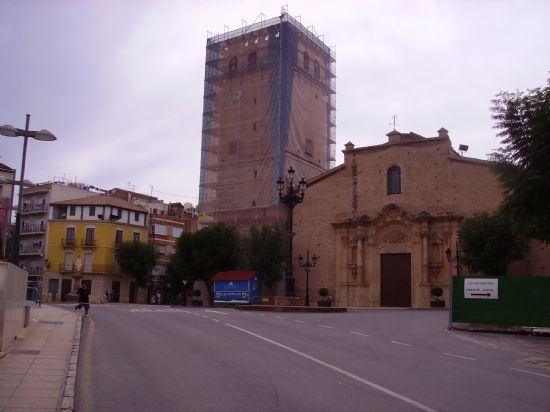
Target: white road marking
[
  {"x": 186, "y": 311},
  {"x": 325, "y": 326},
  {"x": 204, "y": 316},
  {"x": 400, "y": 343},
  {"x": 532, "y": 373},
  {"x": 358, "y": 333},
  {"x": 299, "y": 321},
  {"x": 458, "y": 356},
  {"x": 350, "y": 375},
  {"x": 215, "y": 320},
  {"x": 215, "y": 311},
  {"x": 279, "y": 317}
]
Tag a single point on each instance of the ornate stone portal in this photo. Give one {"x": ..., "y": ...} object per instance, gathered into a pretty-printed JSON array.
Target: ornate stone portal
[{"x": 362, "y": 242}]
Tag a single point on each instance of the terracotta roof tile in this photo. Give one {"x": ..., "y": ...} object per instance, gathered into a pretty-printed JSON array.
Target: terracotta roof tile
[
  {"x": 102, "y": 200},
  {"x": 5, "y": 167}
]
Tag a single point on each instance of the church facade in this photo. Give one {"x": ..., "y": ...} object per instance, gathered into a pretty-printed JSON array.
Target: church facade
[{"x": 382, "y": 221}]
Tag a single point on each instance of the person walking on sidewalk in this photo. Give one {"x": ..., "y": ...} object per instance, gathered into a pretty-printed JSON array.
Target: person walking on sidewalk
[{"x": 83, "y": 299}]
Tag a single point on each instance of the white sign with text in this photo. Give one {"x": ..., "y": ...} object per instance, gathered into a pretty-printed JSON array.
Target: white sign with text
[{"x": 481, "y": 288}]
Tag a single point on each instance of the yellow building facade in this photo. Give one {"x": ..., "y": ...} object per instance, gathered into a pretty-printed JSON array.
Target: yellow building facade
[{"x": 83, "y": 236}]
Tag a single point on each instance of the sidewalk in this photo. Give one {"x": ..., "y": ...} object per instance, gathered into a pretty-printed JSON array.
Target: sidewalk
[{"x": 38, "y": 371}]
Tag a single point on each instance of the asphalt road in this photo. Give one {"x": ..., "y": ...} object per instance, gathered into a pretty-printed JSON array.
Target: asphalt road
[{"x": 157, "y": 358}]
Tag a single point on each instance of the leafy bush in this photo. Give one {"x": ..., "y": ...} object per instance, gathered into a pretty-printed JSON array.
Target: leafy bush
[
  {"x": 323, "y": 292},
  {"x": 437, "y": 292}
]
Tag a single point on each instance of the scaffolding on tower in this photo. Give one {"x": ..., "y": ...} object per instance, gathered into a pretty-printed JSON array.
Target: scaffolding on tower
[{"x": 269, "y": 104}]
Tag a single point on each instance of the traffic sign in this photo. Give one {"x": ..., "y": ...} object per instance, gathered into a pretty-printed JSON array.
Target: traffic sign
[{"x": 481, "y": 288}]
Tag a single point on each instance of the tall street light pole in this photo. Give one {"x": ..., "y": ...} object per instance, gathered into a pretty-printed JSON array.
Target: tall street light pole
[
  {"x": 307, "y": 266},
  {"x": 44, "y": 135},
  {"x": 291, "y": 197}
]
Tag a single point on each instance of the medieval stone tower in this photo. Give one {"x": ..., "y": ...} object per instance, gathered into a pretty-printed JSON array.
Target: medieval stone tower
[{"x": 269, "y": 104}]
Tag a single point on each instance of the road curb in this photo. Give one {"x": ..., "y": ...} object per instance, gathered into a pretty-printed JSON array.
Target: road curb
[
  {"x": 68, "y": 390},
  {"x": 511, "y": 330}
]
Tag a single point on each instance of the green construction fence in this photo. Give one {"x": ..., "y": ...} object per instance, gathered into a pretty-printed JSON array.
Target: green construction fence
[{"x": 522, "y": 301}]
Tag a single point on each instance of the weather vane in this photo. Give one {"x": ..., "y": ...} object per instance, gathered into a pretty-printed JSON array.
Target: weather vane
[{"x": 393, "y": 123}]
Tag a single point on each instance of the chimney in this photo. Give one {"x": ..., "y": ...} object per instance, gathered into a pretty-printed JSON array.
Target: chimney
[
  {"x": 348, "y": 153},
  {"x": 443, "y": 133}
]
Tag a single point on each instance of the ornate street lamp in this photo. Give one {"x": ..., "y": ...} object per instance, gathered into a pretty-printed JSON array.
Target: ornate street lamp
[
  {"x": 291, "y": 197},
  {"x": 307, "y": 266},
  {"x": 44, "y": 135}
]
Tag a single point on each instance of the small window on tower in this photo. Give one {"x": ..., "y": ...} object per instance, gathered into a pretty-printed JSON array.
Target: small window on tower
[
  {"x": 252, "y": 61},
  {"x": 233, "y": 66},
  {"x": 317, "y": 69},
  {"x": 306, "y": 61},
  {"x": 233, "y": 147},
  {"x": 309, "y": 147}
]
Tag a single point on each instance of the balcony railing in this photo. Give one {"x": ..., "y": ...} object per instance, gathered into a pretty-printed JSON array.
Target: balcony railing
[
  {"x": 36, "y": 208},
  {"x": 31, "y": 250},
  {"x": 35, "y": 270},
  {"x": 63, "y": 267},
  {"x": 33, "y": 229},
  {"x": 68, "y": 243},
  {"x": 71, "y": 268},
  {"x": 88, "y": 243}
]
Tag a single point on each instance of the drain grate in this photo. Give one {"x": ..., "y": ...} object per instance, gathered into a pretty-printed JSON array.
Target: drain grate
[
  {"x": 26, "y": 352},
  {"x": 51, "y": 322}
]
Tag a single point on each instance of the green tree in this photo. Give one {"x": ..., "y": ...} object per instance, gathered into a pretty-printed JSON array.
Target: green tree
[
  {"x": 523, "y": 163},
  {"x": 202, "y": 254},
  {"x": 137, "y": 259},
  {"x": 489, "y": 243},
  {"x": 266, "y": 253},
  {"x": 180, "y": 266}
]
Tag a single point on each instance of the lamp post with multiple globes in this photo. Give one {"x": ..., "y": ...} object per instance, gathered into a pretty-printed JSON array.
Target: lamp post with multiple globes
[
  {"x": 291, "y": 196},
  {"x": 307, "y": 266}
]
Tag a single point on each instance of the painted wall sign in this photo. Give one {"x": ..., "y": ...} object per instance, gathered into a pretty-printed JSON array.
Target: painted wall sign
[{"x": 480, "y": 288}]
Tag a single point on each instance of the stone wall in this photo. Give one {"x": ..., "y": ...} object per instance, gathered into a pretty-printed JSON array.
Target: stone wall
[{"x": 13, "y": 289}]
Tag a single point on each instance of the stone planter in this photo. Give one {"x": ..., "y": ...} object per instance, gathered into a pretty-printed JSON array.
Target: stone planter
[{"x": 437, "y": 303}]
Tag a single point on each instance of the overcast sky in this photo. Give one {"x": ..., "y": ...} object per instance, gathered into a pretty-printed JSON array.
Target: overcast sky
[{"x": 120, "y": 83}]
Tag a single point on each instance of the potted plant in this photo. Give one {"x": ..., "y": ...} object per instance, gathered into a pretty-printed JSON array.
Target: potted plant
[
  {"x": 436, "y": 301},
  {"x": 196, "y": 301},
  {"x": 326, "y": 298}
]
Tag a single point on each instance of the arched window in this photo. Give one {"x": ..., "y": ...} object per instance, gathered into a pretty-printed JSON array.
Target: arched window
[
  {"x": 394, "y": 180},
  {"x": 306, "y": 61},
  {"x": 252, "y": 61},
  {"x": 233, "y": 66},
  {"x": 317, "y": 69}
]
